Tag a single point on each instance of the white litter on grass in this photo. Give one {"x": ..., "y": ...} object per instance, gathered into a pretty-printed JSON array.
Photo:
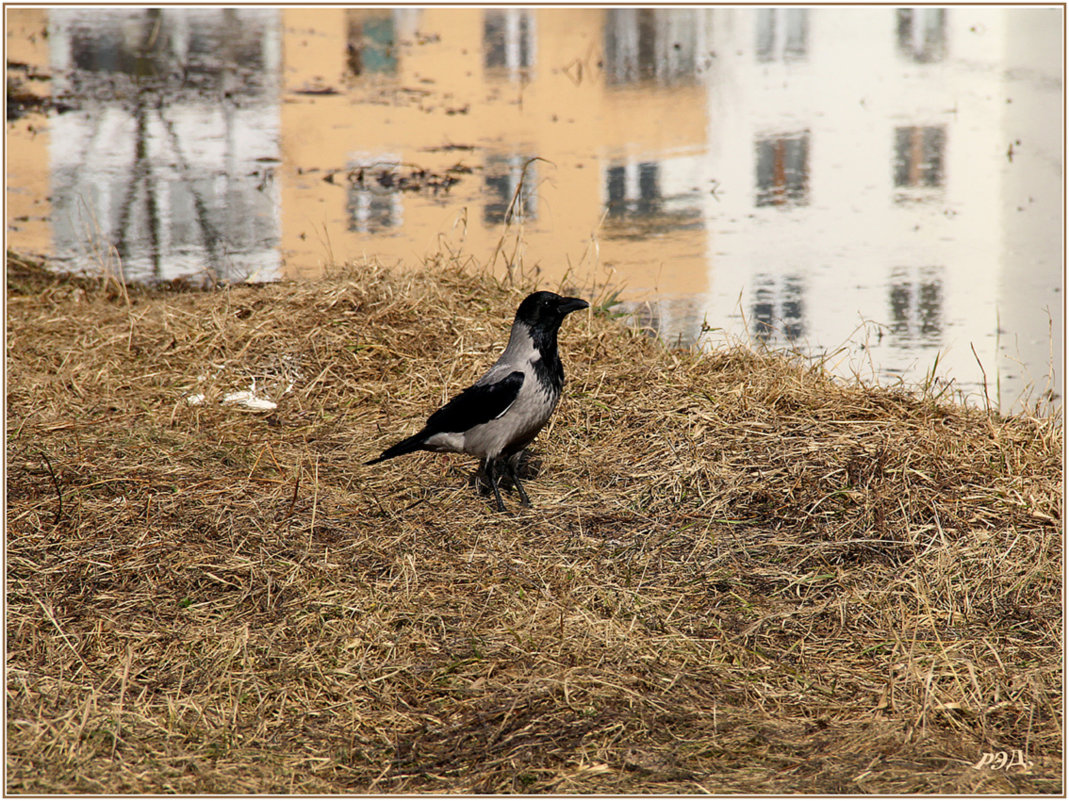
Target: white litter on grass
[
  {"x": 250, "y": 401},
  {"x": 245, "y": 398}
]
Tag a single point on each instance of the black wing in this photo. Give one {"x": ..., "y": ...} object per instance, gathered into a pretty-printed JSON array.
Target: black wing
[{"x": 476, "y": 405}]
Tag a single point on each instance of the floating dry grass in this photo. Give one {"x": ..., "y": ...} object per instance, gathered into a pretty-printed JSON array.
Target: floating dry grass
[{"x": 739, "y": 575}]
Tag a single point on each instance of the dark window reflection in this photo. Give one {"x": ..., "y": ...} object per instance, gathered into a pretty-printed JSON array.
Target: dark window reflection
[
  {"x": 782, "y": 34},
  {"x": 777, "y": 310},
  {"x": 916, "y": 305},
  {"x": 783, "y": 170},
  {"x": 763, "y": 308},
  {"x": 503, "y": 174},
  {"x": 766, "y": 33},
  {"x": 649, "y": 188},
  {"x": 508, "y": 40},
  {"x": 616, "y": 190},
  {"x": 645, "y": 201},
  {"x": 792, "y": 306},
  {"x": 900, "y": 295},
  {"x": 920, "y": 157},
  {"x": 922, "y": 33},
  {"x": 638, "y": 202},
  {"x": 646, "y": 44},
  {"x": 796, "y": 40},
  {"x": 371, "y": 42}
]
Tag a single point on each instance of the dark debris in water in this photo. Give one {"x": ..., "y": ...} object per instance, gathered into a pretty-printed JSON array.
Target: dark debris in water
[
  {"x": 21, "y": 99},
  {"x": 401, "y": 177},
  {"x": 447, "y": 148},
  {"x": 316, "y": 90}
]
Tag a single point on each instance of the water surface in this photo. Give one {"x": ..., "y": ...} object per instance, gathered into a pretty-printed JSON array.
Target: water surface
[{"x": 881, "y": 186}]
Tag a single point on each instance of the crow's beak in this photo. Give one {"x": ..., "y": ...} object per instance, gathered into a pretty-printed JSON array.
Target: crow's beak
[{"x": 568, "y": 305}]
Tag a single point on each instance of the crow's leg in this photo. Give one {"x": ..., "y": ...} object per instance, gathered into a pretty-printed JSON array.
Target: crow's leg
[
  {"x": 511, "y": 464},
  {"x": 479, "y": 480},
  {"x": 491, "y": 473}
]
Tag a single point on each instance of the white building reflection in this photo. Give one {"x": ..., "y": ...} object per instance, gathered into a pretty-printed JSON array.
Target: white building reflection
[{"x": 859, "y": 155}]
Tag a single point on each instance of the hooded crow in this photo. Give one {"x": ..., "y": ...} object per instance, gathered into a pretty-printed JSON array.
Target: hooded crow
[{"x": 498, "y": 416}]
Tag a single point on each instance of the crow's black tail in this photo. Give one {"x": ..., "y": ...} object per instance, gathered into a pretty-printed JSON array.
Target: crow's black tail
[{"x": 413, "y": 443}]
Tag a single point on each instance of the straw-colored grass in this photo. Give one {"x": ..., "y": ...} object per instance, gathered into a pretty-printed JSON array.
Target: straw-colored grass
[{"x": 739, "y": 575}]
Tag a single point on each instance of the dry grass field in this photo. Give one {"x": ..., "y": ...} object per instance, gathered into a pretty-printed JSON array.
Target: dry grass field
[{"x": 739, "y": 575}]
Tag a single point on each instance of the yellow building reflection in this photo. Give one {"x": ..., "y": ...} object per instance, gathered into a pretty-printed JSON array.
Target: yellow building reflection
[
  {"x": 26, "y": 138},
  {"x": 390, "y": 90}
]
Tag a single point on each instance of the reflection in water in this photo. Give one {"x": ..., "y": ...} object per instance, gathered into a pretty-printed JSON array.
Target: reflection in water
[
  {"x": 783, "y": 170},
  {"x": 649, "y": 197},
  {"x": 373, "y": 206},
  {"x": 793, "y": 165},
  {"x": 763, "y": 309},
  {"x": 916, "y": 306},
  {"x": 920, "y": 155},
  {"x": 921, "y": 33},
  {"x": 677, "y": 314},
  {"x": 173, "y": 187},
  {"x": 503, "y": 174},
  {"x": 646, "y": 44},
  {"x": 778, "y": 311},
  {"x": 197, "y": 49},
  {"x": 370, "y": 42},
  {"x": 792, "y": 308},
  {"x": 782, "y": 34},
  {"x": 508, "y": 42},
  {"x": 646, "y": 200}
]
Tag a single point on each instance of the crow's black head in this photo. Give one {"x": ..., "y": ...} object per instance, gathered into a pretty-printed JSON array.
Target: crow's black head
[{"x": 546, "y": 310}]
